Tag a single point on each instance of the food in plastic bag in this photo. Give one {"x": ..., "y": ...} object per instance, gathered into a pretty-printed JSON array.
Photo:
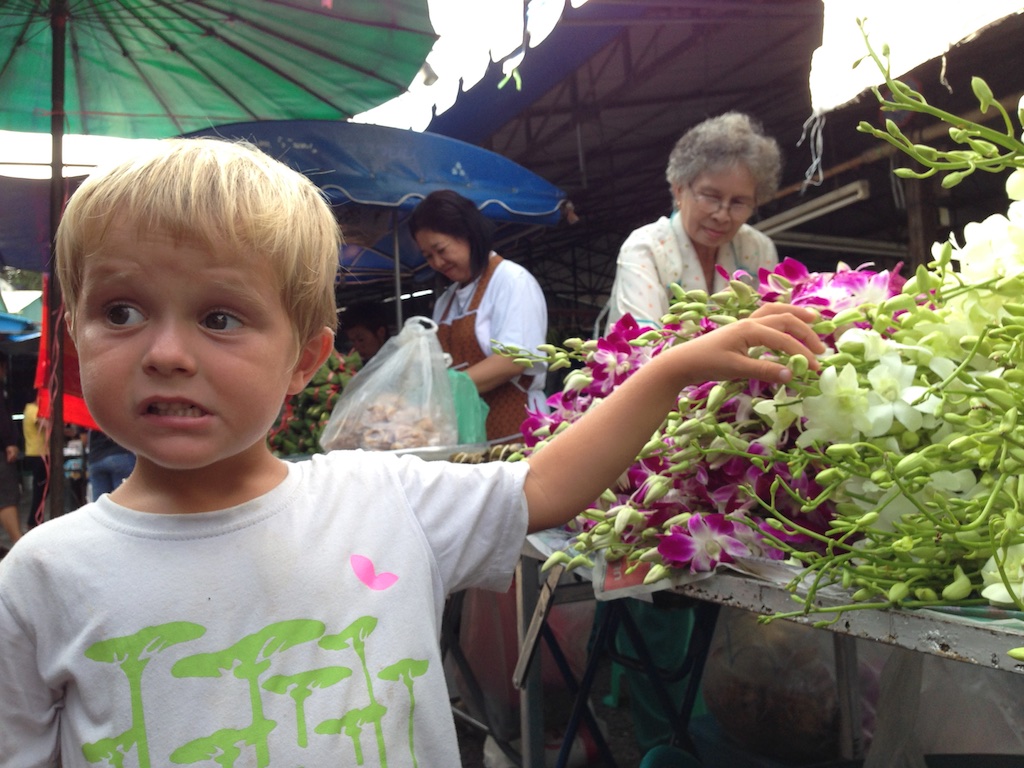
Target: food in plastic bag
[{"x": 401, "y": 399}]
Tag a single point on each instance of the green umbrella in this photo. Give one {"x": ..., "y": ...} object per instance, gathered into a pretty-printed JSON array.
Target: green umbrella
[{"x": 156, "y": 68}]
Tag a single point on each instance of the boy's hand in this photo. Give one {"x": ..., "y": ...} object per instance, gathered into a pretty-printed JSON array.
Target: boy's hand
[
  {"x": 576, "y": 467},
  {"x": 781, "y": 327}
]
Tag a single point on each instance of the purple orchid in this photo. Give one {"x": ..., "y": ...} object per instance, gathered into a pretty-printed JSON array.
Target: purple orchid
[
  {"x": 720, "y": 468},
  {"x": 704, "y": 542},
  {"x": 830, "y": 293}
]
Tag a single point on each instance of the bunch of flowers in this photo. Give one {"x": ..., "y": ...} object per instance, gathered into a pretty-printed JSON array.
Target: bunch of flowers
[{"x": 896, "y": 472}]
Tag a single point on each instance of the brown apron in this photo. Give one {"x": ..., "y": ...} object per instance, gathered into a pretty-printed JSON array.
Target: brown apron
[{"x": 507, "y": 402}]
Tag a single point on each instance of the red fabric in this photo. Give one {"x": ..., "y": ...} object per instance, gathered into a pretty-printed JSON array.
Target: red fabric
[{"x": 75, "y": 409}]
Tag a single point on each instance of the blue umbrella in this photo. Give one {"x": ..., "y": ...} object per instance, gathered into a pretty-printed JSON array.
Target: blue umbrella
[{"x": 374, "y": 176}]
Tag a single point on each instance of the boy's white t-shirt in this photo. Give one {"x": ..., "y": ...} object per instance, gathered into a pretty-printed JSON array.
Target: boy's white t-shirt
[{"x": 300, "y": 628}]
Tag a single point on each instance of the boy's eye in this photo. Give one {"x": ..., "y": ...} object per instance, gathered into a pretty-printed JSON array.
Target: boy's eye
[
  {"x": 221, "y": 321},
  {"x": 122, "y": 314}
]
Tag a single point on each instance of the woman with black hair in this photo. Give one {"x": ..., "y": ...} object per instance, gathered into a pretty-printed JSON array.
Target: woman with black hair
[{"x": 490, "y": 300}]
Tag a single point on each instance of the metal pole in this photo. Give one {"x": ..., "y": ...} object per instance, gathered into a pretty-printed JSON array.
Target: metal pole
[
  {"x": 55, "y": 315},
  {"x": 397, "y": 256}
]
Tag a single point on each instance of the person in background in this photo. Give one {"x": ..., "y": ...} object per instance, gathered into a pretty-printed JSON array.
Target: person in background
[
  {"x": 366, "y": 329},
  {"x": 10, "y": 475},
  {"x": 717, "y": 173},
  {"x": 34, "y": 432},
  {"x": 490, "y": 300},
  {"x": 107, "y": 464}
]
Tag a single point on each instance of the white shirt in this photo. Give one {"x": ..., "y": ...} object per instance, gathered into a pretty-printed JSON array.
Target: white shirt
[
  {"x": 661, "y": 253},
  {"x": 512, "y": 311},
  {"x": 259, "y": 627}
]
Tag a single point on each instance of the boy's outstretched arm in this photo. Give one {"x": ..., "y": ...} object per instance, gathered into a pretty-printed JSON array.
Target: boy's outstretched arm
[{"x": 572, "y": 470}]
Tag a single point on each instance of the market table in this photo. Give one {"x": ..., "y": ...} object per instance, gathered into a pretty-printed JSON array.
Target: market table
[{"x": 979, "y": 636}]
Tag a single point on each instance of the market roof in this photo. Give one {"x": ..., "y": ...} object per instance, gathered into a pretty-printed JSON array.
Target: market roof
[{"x": 606, "y": 96}]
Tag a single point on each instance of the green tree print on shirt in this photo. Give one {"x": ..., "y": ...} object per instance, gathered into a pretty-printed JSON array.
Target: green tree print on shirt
[
  {"x": 354, "y": 637},
  {"x": 247, "y": 660},
  {"x": 221, "y": 746},
  {"x": 351, "y": 724},
  {"x": 405, "y": 670},
  {"x": 132, "y": 653},
  {"x": 250, "y": 659},
  {"x": 300, "y": 687}
]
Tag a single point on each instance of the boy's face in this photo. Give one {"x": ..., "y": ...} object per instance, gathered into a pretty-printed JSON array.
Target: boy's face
[{"x": 185, "y": 359}]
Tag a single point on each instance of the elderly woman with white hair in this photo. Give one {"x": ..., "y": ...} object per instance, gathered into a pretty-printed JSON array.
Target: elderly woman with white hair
[{"x": 718, "y": 172}]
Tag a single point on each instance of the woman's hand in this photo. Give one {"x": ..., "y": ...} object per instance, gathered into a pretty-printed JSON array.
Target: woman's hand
[{"x": 493, "y": 371}]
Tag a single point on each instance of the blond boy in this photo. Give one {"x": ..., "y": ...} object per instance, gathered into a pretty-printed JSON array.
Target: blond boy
[{"x": 223, "y": 606}]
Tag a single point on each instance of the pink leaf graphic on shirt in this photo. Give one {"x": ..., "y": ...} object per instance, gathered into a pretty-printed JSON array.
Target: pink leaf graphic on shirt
[{"x": 366, "y": 573}]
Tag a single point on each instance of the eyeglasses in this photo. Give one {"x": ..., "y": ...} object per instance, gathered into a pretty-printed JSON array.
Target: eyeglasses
[{"x": 710, "y": 204}]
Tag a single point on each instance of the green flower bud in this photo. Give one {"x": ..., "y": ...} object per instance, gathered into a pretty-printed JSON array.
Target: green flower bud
[
  {"x": 909, "y": 440},
  {"x": 881, "y": 477},
  {"x": 657, "y": 487},
  {"x": 1001, "y": 398},
  {"x": 580, "y": 561},
  {"x": 953, "y": 178},
  {"x": 716, "y": 397},
  {"x": 963, "y": 443},
  {"x": 898, "y": 592},
  {"x": 656, "y": 574},
  {"x": 903, "y": 544},
  {"x": 720, "y": 319},
  {"x": 958, "y": 589},
  {"x": 829, "y": 476},
  {"x": 867, "y": 519},
  {"x": 897, "y": 303},
  {"x": 912, "y": 463},
  {"x": 840, "y": 451},
  {"x": 627, "y": 516},
  {"x": 983, "y": 93},
  {"x": 1017, "y": 310},
  {"x": 1009, "y": 421},
  {"x": 852, "y": 315},
  {"x": 798, "y": 365},
  {"x": 577, "y": 380},
  {"x": 556, "y": 558}
]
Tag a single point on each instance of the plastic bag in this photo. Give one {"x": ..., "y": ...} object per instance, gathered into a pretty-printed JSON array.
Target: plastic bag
[
  {"x": 772, "y": 687},
  {"x": 931, "y": 705},
  {"x": 470, "y": 409},
  {"x": 401, "y": 399}
]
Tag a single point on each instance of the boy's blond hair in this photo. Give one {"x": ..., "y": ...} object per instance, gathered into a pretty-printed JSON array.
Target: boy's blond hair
[{"x": 217, "y": 194}]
